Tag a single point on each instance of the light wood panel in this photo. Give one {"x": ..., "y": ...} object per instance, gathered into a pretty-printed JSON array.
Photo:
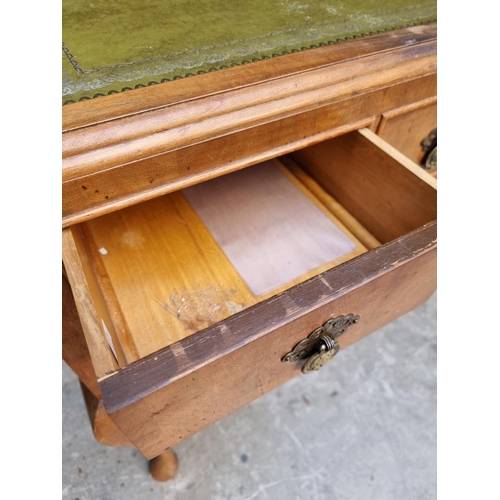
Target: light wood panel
[
  {"x": 170, "y": 277},
  {"x": 387, "y": 193}
]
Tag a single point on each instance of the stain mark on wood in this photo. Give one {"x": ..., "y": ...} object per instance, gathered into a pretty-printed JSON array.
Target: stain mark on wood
[{"x": 198, "y": 309}]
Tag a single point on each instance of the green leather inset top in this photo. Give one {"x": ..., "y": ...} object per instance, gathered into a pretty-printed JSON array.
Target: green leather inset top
[{"x": 114, "y": 45}]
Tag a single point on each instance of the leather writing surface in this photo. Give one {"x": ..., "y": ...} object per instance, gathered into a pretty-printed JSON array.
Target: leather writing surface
[{"x": 111, "y": 46}]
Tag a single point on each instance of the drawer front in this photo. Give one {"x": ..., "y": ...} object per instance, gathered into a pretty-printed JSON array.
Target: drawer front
[
  {"x": 407, "y": 127},
  {"x": 378, "y": 286}
]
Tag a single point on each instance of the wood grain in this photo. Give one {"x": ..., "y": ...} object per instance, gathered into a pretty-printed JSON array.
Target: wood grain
[
  {"x": 387, "y": 193},
  {"x": 168, "y": 275},
  {"x": 157, "y": 275},
  {"x": 187, "y": 389},
  {"x": 107, "y": 296}
]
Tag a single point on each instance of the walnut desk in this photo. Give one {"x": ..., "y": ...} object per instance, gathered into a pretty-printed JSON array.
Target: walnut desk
[{"x": 166, "y": 324}]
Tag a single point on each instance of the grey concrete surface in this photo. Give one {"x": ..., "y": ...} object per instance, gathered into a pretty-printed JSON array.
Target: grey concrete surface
[{"x": 362, "y": 428}]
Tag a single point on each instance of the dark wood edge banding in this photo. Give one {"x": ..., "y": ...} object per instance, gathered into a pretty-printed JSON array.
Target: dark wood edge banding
[{"x": 143, "y": 377}]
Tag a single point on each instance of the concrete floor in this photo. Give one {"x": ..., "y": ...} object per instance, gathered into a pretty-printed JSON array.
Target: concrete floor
[{"x": 364, "y": 427}]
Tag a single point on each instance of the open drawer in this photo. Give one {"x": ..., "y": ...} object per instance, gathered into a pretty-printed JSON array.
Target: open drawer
[{"x": 182, "y": 323}]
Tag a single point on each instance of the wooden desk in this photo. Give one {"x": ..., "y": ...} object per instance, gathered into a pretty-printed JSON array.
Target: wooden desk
[{"x": 323, "y": 108}]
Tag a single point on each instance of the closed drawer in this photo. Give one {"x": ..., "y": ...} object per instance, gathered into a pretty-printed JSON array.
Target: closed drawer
[
  {"x": 182, "y": 330},
  {"x": 412, "y": 130}
]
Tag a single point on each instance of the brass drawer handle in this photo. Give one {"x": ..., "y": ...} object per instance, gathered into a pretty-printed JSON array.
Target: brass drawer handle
[
  {"x": 431, "y": 161},
  {"x": 320, "y": 347},
  {"x": 429, "y": 146}
]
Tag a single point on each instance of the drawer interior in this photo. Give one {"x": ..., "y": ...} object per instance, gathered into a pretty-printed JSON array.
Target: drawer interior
[
  {"x": 385, "y": 191},
  {"x": 153, "y": 274}
]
